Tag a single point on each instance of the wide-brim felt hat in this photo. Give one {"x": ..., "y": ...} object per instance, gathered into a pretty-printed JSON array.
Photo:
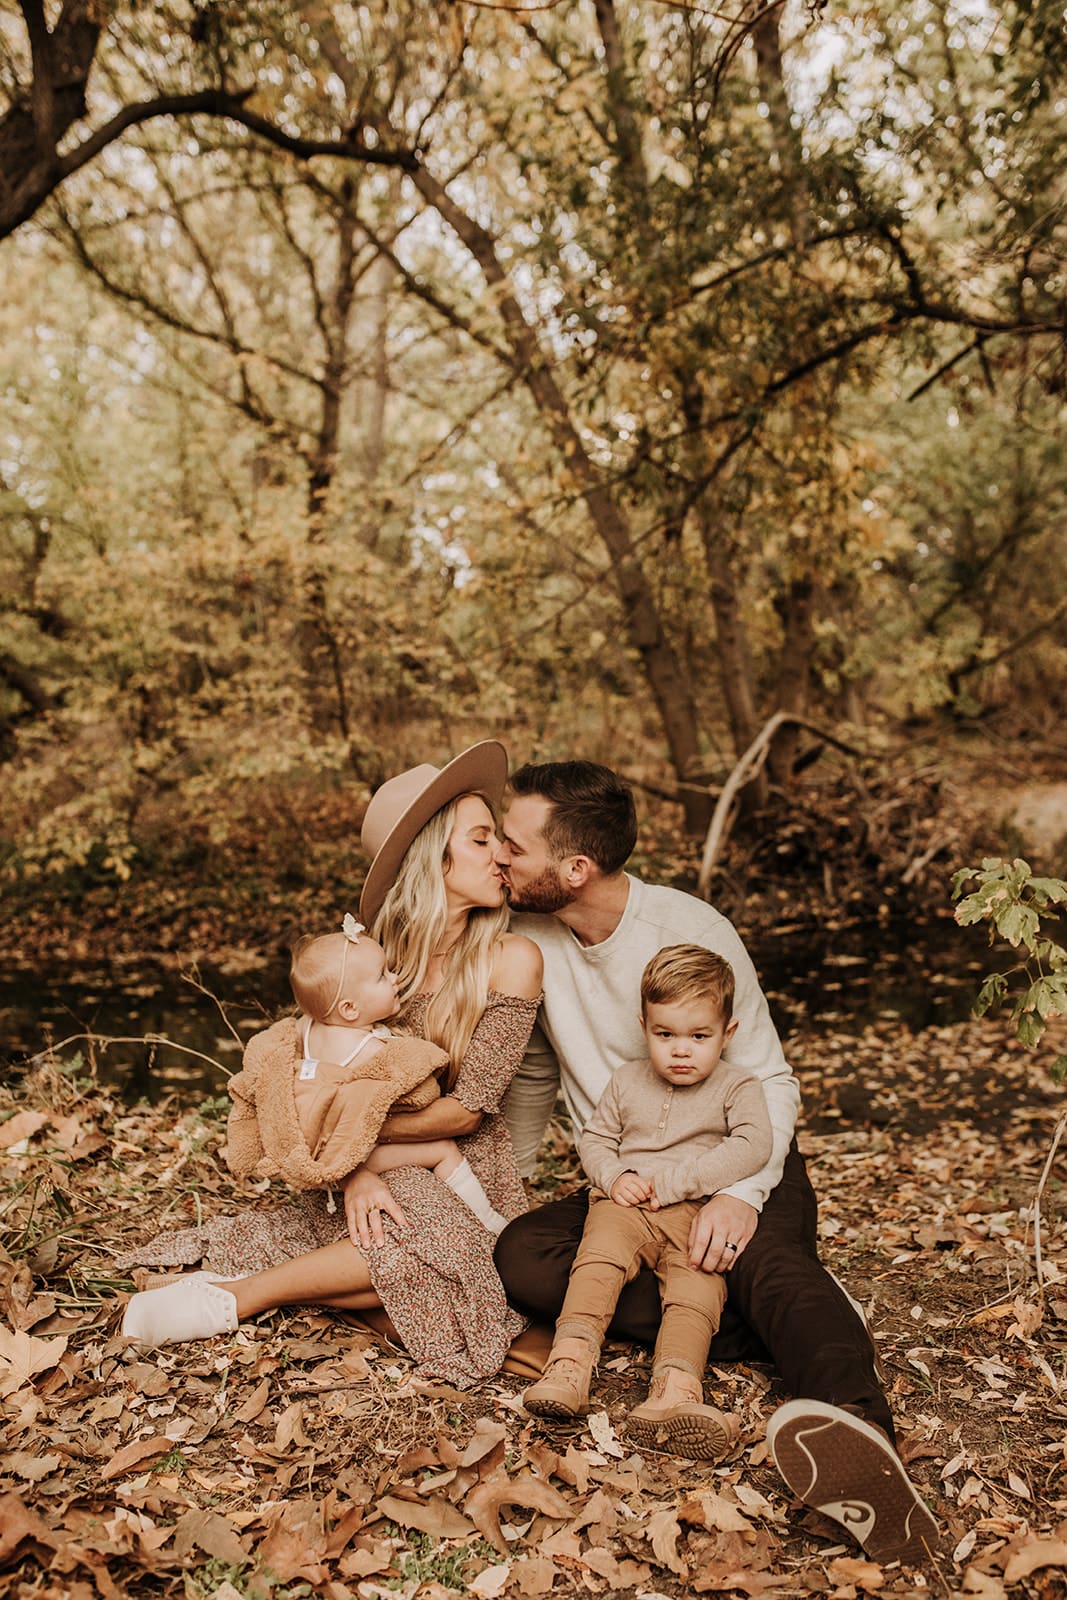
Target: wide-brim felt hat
[{"x": 404, "y": 805}]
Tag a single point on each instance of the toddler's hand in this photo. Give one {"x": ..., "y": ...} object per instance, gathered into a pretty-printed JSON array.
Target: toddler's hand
[{"x": 630, "y": 1189}]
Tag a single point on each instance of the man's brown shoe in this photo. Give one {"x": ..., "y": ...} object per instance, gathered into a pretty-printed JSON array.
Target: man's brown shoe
[{"x": 847, "y": 1469}]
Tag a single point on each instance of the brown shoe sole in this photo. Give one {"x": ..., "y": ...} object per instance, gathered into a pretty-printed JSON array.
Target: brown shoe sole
[
  {"x": 555, "y": 1410},
  {"x": 847, "y": 1469},
  {"x": 697, "y": 1433}
]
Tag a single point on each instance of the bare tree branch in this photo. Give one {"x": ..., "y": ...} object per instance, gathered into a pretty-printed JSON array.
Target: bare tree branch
[{"x": 62, "y": 64}]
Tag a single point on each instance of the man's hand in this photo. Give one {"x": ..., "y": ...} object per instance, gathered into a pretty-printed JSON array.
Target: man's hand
[
  {"x": 720, "y": 1231},
  {"x": 630, "y": 1189},
  {"x": 366, "y": 1197}
]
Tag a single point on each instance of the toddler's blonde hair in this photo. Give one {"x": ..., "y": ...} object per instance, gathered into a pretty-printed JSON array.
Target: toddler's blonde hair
[{"x": 688, "y": 972}]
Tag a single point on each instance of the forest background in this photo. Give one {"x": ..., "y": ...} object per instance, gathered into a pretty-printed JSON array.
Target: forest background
[
  {"x": 654, "y": 381},
  {"x": 604, "y": 377}
]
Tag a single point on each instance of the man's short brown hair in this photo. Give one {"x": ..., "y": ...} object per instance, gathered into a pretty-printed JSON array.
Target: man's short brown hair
[
  {"x": 593, "y": 812},
  {"x": 688, "y": 972}
]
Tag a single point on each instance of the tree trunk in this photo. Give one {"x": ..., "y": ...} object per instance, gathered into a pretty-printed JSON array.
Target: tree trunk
[
  {"x": 788, "y": 150},
  {"x": 644, "y": 629},
  {"x": 42, "y": 112},
  {"x": 794, "y": 674},
  {"x": 373, "y": 390},
  {"x": 735, "y": 660},
  {"x": 320, "y": 637}
]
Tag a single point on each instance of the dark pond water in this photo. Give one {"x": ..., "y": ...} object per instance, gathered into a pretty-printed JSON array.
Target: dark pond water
[{"x": 820, "y": 980}]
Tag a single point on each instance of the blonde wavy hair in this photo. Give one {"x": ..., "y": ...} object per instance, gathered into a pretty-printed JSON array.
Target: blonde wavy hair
[
  {"x": 681, "y": 972},
  {"x": 410, "y": 926}
]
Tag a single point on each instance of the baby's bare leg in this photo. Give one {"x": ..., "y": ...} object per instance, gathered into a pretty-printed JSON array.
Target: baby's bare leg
[
  {"x": 441, "y": 1156},
  {"x": 446, "y": 1161}
]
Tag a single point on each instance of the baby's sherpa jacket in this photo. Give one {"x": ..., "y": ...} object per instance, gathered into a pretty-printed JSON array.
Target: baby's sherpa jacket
[{"x": 315, "y": 1133}]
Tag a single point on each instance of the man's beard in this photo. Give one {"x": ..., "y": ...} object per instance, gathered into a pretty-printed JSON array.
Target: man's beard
[{"x": 544, "y": 894}]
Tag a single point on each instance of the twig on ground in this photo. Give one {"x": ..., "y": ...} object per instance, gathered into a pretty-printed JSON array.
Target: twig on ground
[
  {"x": 1046, "y": 1169},
  {"x": 194, "y": 982},
  {"x": 106, "y": 1040}
]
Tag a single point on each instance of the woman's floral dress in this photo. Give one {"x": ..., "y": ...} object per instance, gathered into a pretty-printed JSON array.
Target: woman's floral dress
[{"x": 435, "y": 1278}]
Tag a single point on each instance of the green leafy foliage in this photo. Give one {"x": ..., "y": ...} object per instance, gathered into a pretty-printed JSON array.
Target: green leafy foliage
[{"x": 1017, "y": 907}]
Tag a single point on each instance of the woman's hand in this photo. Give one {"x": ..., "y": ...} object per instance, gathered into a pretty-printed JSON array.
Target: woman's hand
[{"x": 366, "y": 1198}]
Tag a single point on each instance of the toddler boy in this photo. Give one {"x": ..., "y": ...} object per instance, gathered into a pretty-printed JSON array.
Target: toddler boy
[{"x": 668, "y": 1132}]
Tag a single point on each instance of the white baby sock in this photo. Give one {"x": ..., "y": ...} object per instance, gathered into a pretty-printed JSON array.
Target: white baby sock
[{"x": 464, "y": 1183}]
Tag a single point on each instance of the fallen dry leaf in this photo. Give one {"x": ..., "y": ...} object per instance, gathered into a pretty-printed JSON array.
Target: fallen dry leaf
[
  {"x": 564, "y": 1547},
  {"x": 865, "y": 1575},
  {"x": 713, "y": 1512},
  {"x": 413, "y": 1460},
  {"x": 1028, "y": 1318},
  {"x": 600, "y": 1511},
  {"x": 486, "y": 1501},
  {"x": 624, "y": 1574},
  {"x": 290, "y": 1429},
  {"x": 295, "y": 1543},
  {"x": 20, "y": 1526},
  {"x": 997, "y": 1313},
  {"x": 39, "y": 1309},
  {"x": 574, "y": 1468},
  {"x": 604, "y": 1437},
  {"x": 533, "y": 1575},
  {"x": 435, "y": 1516},
  {"x": 251, "y": 1408},
  {"x": 22, "y": 1357},
  {"x": 1035, "y": 1553},
  {"x": 210, "y": 1532},
  {"x": 368, "y": 1556},
  {"x": 491, "y": 1581},
  {"x": 722, "y": 1577},
  {"x": 136, "y": 1455},
  {"x": 21, "y": 1128},
  {"x": 344, "y": 1530},
  {"x": 16, "y": 1287},
  {"x": 25, "y": 1464},
  {"x": 485, "y": 1438},
  {"x": 663, "y": 1532},
  {"x": 983, "y": 1584}
]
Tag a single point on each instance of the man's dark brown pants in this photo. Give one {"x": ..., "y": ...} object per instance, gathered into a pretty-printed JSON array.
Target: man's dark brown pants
[{"x": 783, "y": 1307}]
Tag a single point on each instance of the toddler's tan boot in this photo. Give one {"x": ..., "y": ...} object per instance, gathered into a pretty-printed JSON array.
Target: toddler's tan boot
[
  {"x": 563, "y": 1388},
  {"x": 675, "y": 1419}
]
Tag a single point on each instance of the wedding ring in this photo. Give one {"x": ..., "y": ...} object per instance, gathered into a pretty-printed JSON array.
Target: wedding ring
[{"x": 732, "y": 1247}]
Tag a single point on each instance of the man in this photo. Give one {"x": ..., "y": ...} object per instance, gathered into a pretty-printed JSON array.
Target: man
[{"x": 569, "y": 831}]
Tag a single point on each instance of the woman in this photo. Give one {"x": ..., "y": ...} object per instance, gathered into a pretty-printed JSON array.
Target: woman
[{"x": 435, "y": 899}]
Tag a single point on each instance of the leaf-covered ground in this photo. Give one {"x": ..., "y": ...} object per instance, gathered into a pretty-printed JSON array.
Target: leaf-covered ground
[{"x": 299, "y": 1457}]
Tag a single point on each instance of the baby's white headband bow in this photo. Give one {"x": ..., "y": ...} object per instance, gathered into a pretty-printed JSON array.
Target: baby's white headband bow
[{"x": 351, "y": 930}]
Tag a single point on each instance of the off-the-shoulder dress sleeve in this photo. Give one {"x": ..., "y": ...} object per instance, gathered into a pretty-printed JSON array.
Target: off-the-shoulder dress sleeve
[{"x": 495, "y": 1052}]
